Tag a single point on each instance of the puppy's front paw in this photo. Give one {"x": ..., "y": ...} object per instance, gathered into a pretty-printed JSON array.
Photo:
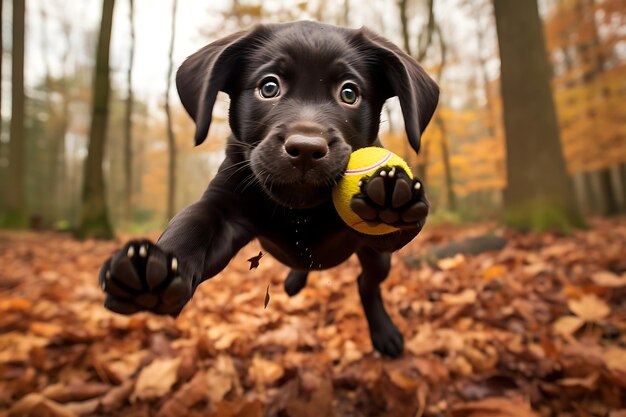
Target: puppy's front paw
[
  {"x": 142, "y": 277},
  {"x": 390, "y": 196}
]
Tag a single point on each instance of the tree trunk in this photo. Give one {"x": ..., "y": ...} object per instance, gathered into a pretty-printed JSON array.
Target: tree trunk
[
  {"x": 424, "y": 42},
  {"x": 404, "y": 25},
  {"x": 618, "y": 187},
  {"x": 64, "y": 194},
  {"x": 608, "y": 200},
  {"x": 445, "y": 149},
  {"x": 622, "y": 173},
  {"x": 94, "y": 219},
  {"x": 581, "y": 192},
  {"x": 539, "y": 195},
  {"x": 171, "y": 139},
  {"x": 15, "y": 215},
  {"x": 445, "y": 155},
  {"x": 1, "y": 56},
  {"x": 592, "y": 188},
  {"x": 128, "y": 141}
]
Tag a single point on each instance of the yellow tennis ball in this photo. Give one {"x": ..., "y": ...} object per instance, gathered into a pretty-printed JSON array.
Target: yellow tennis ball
[{"x": 363, "y": 163}]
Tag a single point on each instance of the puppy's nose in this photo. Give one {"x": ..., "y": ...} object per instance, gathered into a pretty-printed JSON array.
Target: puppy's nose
[{"x": 305, "y": 152}]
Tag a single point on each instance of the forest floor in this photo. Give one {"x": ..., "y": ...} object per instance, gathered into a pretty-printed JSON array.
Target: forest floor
[{"x": 536, "y": 329}]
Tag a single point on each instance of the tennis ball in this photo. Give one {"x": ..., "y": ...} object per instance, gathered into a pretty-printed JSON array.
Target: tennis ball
[{"x": 363, "y": 163}]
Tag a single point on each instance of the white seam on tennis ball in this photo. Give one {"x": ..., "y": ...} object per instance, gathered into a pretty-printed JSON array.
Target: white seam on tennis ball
[{"x": 371, "y": 167}]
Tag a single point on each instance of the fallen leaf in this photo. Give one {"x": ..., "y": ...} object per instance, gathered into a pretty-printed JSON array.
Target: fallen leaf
[
  {"x": 15, "y": 304},
  {"x": 589, "y": 382},
  {"x": 254, "y": 261},
  {"x": 75, "y": 392},
  {"x": 494, "y": 407},
  {"x": 156, "y": 379},
  {"x": 237, "y": 408},
  {"x": 267, "y": 296},
  {"x": 567, "y": 325},
  {"x": 467, "y": 296},
  {"x": 453, "y": 262},
  {"x": 116, "y": 397},
  {"x": 608, "y": 279},
  {"x": 265, "y": 372},
  {"x": 493, "y": 271},
  {"x": 83, "y": 408},
  {"x": 314, "y": 397},
  {"x": 590, "y": 308},
  {"x": 37, "y": 405},
  {"x": 615, "y": 359},
  {"x": 222, "y": 378},
  {"x": 190, "y": 394}
]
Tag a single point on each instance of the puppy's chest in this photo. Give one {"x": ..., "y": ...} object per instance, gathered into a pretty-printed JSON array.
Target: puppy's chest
[{"x": 308, "y": 241}]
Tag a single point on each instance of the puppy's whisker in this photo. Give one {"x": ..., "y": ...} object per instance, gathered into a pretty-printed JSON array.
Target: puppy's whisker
[{"x": 237, "y": 167}]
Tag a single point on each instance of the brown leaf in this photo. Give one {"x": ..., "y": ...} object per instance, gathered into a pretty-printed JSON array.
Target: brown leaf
[
  {"x": 116, "y": 397},
  {"x": 265, "y": 372},
  {"x": 468, "y": 296},
  {"x": 567, "y": 325},
  {"x": 608, "y": 279},
  {"x": 156, "y": 379},
  {"x": 38, "y": 405},
  {"x": 190, "y": 394},
  {"x": 237, "y": 408},
  {"x": 222, "y": 378},
  {"x": 454, "y": 262},
  {"x": 615, "y": 359},
  {"x": 75, "y": 392},
  {"x": 267, "y": 296},
  {"x": 588, "y": 383},
  {"x": 494, "y": 407},
  {"x": 590, "y": 308},
  {"x": 314, "y": 397},
  {"x": 254, "y": 261},
  {"x": 84, "y": 408},
  {"x": 123, "y": 368}
]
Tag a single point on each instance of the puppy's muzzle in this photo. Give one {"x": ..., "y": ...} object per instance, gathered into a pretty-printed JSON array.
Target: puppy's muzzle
[{"x": 305, "y": 152}]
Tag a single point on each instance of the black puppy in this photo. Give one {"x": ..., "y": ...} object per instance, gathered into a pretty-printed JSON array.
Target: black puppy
[{"x": 303, "y": 96}]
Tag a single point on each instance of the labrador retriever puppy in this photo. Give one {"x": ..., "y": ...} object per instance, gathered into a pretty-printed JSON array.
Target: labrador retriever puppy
[{"x": 303, "y": 96}]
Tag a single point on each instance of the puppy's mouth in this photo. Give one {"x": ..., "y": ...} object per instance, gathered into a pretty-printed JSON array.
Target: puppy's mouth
[
  {"x": 294, "y": 189},
  {"x": 298, "y": 168}
]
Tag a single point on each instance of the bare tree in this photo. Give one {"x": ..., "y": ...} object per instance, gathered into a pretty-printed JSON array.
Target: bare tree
[
  {"x": 94, "y": 219},
  {"x": 423, "y": 45},
  {"x": 171, "y": 139},
  {"x": 1, "y": 56},
  {"x": 128, "y": 140},
  {"x": 445, "y": 149},
  {"x": 15, "y": 201},
  {"x": 63, "y": 194},
  {"x": 539, "y": 194}
]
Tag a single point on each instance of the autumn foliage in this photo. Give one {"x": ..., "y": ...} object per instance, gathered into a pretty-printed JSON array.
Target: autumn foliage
[{"x": 533, "y": 330}]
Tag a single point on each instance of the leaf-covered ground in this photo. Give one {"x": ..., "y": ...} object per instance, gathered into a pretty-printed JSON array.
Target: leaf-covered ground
[{"x": 537, "y": 329}]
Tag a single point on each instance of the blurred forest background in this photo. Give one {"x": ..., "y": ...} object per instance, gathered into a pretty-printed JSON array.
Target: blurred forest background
[{"x": 52, "y": 52}]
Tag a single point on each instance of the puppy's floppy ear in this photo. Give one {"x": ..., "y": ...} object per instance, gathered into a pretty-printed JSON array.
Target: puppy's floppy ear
[
  {"x": 405, "y": 78},
  {"x": 210, "y": 70}
]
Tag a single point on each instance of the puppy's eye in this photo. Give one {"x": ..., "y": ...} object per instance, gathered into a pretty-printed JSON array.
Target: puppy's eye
[
  {"x": 269, "y": 88},
  {"x": 349, "y": 93}
]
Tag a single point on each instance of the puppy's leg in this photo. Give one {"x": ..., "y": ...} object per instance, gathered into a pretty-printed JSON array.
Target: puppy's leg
[
  {"x": 296, "y": 280},
  {"x": 197, "y": 244},
  {"x": 386, "y": 337}
]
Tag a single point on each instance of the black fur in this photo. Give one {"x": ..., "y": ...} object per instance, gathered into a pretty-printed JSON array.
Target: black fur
[{"x": 278, "y": 195}]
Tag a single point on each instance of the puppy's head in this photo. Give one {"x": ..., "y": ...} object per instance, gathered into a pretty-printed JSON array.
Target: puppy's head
[{"x": 303, "y": 96}]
